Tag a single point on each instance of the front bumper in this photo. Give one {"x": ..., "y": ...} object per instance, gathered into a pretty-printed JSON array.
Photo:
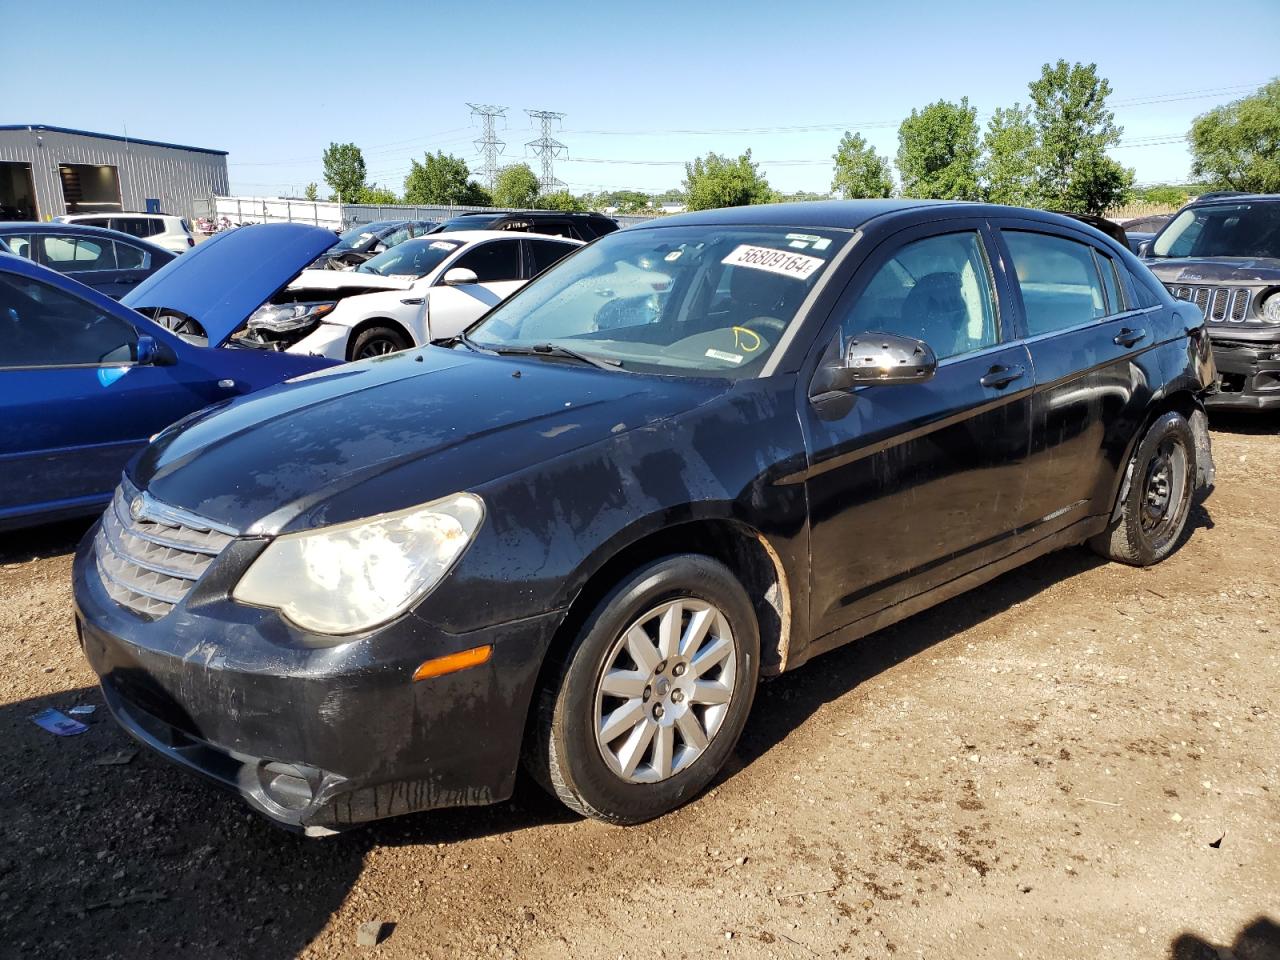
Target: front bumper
[
  {"x": 1250, "y": 374},
  {"x": 314, "y": 738}
]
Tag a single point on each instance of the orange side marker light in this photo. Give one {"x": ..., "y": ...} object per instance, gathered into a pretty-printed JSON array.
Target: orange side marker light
[{"x": 453, "y": 662}]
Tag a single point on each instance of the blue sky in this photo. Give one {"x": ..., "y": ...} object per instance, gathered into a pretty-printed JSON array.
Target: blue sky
[{"x": 643, "y": 86}]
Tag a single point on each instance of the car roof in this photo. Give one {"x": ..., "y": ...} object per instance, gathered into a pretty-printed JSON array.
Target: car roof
[
  {"x": 1228, "y": 197},
  {"x": 529, "y": 213},
  {"x": 125, "y": 213},
  {"x": 57, "y": 226},
  {"x": 474, "y": 236}
]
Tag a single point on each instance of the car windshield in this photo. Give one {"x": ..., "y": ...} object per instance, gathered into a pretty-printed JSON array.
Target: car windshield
[
  {"x": 413, "y": 258},
  {"x": 1222, "y": 230},
  {"x": 360, "y": 238},
  {"x": 692, "y": 301}
]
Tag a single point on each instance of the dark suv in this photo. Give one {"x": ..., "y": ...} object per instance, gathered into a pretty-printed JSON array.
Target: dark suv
[
  {"x": 1222, "y": 253},
  {"x": 577, "y": 226}
]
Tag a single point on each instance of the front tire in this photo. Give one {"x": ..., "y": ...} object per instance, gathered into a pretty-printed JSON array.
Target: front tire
[
  {"x": 652, "y": 696},
  {"x": 376, "y": 342},
  {"x": 1153, "y": 514}
]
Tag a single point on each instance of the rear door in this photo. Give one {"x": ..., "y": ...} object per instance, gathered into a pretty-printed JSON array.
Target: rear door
[
  {"x": 451, "y": 308},
  {"x": 1090, "y": 393},
  {"x": 911, "y": 485}
]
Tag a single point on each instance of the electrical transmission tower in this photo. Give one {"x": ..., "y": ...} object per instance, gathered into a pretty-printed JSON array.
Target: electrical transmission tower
[
  {"x": 489, "y": 145},
  {"x": 547, "y": 148}
]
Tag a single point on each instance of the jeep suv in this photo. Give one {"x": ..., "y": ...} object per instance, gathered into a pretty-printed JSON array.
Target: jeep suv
[
  {"x": 1222, "y": 253},
  {"x": 577, "y": 226}
]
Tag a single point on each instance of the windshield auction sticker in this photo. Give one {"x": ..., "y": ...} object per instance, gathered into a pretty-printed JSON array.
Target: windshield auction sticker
[{"x": 782, "y": 262}]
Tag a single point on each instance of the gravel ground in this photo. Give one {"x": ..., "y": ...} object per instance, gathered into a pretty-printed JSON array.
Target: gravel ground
[{"x": 1079, "y": 759}]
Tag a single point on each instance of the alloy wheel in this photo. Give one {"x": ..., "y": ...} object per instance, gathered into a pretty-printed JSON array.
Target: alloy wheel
[{"x": 665, "y": 690}]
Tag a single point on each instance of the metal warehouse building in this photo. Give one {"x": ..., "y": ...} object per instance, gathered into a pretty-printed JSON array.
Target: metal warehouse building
[{"x": 48, "y": 171}]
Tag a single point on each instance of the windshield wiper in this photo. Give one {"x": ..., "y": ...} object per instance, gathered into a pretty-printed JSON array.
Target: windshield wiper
[
  {"x": 463, "y": 339},
  {"x": 556, "y": 350}
]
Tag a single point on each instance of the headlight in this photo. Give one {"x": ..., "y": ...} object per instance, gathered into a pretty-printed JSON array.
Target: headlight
[
  {"x": 354, "y": 576},
  {"x": 284, "y": 317},
  {"x": 1269, "y": 308}
]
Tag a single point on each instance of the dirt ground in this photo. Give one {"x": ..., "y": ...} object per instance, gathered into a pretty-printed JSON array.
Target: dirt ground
[{"x": 1077, "y": 760}]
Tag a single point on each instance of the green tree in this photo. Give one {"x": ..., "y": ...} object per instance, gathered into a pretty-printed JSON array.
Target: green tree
[
  {"x": 716, "y": 181},
  {"x": 344, "y": 170},
  {"x": 1009, "y": 157},
  {"x": 313, "y": 192},
  {"x": 516, "y": 187},
  {"x": 623, "y": 201},
  {"x": 938, "y": 152},
  {"x": 1165, "y": 194},
  {"x": 1237, "y": 146},
  {"x": 860, "y": 171},
  {"x": 1074, "y": 130},
  {"x": 560, "y": 200},
  {"x": 377, "y": 195},
  {"x": 440, "y": 179}
]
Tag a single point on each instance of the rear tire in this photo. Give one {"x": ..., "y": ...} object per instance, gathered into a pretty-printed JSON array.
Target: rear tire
[
  {"x": 1153, "y": 513},
  {"x": 376, "y": 342},
  {"x": 650, "y": 700}
]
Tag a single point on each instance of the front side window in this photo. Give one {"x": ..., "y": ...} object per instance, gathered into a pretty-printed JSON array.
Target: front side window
[
  {"x": 20, "y": 244},
  {"x": 692, "y": 301},
  {"x": 40, "y": 326},
  {"x": 1222, "y": 230},
  {"x": 493, "y": 262},
  {"x": 1059, "y": 281},
  {"x": 937, "y": 290},
  {"x": 70, "y": 254}
]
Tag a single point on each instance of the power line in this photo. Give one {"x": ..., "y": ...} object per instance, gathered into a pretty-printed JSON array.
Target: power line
[
  {"x": 547, "y": 148},
  {"x": 489, "y": 145}
]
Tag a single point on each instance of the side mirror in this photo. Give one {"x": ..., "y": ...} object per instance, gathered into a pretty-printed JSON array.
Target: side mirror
[
  {"x": 1144, "y": 248},
  {"x": 378, "y": 247},
  {"x": 460, "y": 275},
  {"x": 881, "y": 358},
  {"x": 149, "y": 352}
]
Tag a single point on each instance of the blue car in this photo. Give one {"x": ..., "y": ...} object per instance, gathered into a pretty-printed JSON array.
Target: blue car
[
  {"x": 85, "y": 381},
  {"x": 109, "y": 261}
]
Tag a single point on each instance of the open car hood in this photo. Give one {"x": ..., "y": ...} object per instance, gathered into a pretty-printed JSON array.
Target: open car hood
[{"x": 224, "y": 279}]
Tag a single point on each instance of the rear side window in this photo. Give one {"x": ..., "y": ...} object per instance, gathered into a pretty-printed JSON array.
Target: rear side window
[
  {"x": 129, "y": 257},
  {"x": 68, "y": 254},
  {"x": 1111, "y": 281},
  {"x": 937, "y": 290},
  {"x": 545, "y": 253},
  {"x": 44, "y": 327},
  {"x": 1143, "y": 295},
  {"x": 19, "y": 243},
  {"x": 494, "y": 261},
  {"x": 1059, "y": 281}
]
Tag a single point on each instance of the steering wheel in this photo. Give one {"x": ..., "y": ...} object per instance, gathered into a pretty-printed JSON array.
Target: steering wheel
[{"x": 765, "y": 323}]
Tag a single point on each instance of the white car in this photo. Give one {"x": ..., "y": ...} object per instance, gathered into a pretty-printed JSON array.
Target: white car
[
  {"x": 172, "y": 233},
  {"x": 424, "y": 289}
]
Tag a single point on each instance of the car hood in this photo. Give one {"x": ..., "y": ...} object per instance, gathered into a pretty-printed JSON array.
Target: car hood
[
  {"x": 223, "y": 280},
  {"x": 343, "y": 279},
  {"x": 382, "y": 435},
  {"x": 1216, "y": 269}
]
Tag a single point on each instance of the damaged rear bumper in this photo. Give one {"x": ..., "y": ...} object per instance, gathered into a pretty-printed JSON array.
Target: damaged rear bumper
[
  {"x": 316, "y": 739},
  {"x": 1250, "y": 375}
]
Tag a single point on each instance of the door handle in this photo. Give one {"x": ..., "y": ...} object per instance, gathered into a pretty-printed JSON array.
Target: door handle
[
  {"x": 1000, "y": 376},
  {"x": 1127, "y": 337}
]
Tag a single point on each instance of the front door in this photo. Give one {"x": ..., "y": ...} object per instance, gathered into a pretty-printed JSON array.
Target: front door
[
  {"x": 73, "y": 404},
  {"x": 451, "y": 308},
  {"x": 913, "y": 484}
]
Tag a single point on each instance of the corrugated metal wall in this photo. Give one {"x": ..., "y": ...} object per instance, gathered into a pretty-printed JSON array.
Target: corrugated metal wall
[{"x": 177, "y": 178}]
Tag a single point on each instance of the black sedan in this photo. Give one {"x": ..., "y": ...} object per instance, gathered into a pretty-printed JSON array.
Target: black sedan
[
  {"x": 694, "y": 453},
  {"x": 109, "y": 261},
  {"x": 366, "y": 240}
]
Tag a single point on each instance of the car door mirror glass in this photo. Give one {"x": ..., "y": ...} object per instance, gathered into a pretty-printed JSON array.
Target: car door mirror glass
[
  {"x": 1144, "y": 248},
  {"x": 460, "y": 275}
]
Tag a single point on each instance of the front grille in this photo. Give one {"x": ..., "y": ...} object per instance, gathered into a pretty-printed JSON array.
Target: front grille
[
  {"x": 1218, "y": 304},
  {"x": 150, "y": 555}
]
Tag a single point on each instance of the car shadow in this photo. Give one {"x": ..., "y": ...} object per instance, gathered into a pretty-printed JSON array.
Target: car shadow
[
  {"x": 1257, "y": 940},
  {"x": 1250, "y": 423},
  {"x": 42, "y": 542}
]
